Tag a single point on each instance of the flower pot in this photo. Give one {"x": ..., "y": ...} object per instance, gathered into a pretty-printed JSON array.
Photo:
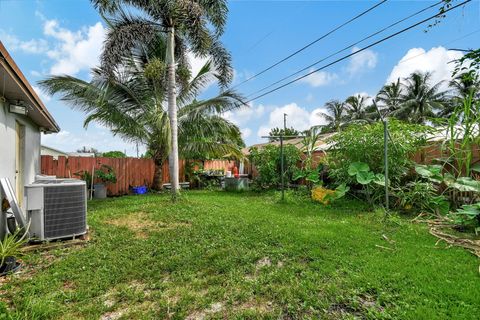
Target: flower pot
[
  {"x": 99, "y": 191},
  {"x": 10, "y": 265}
]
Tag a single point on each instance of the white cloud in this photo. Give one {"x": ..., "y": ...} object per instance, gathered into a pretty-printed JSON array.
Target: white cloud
[
  {"x": 44, "y": 97},
  {"x": 246, "y": 133},
  {"x": 100, "y": 140},
  {"x": 363, "y": 94},
  {"x": 196, "y": 62},
  {"x": 75, "y": 50},
  {"x": 320, "y": 78},
  {"x": 245, "y": 114},
  {"x": 33, "y": 46},
  {"x": 297, "y": 117},
  {"x": 315, "y": 118},
  {"x": 435, "y": 60},
  {"x": 362, "y": 61}
]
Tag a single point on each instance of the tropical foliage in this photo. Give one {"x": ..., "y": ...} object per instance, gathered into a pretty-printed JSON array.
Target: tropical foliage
[
  {"x": 187, "y": 27},
  {"x": 288, "y": 132},
  {"x": 267, "y": 163},
  {"x": 414, "y": 99},
  {"x": 130, "y": 100},
  {"x": 356, "y": 157}
]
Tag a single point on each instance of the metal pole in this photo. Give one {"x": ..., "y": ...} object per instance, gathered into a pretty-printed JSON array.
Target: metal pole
[
  {"x": 385, "y": 149},
  {"x": 281, "y": 167},
  {"x": 284, "y": 123}
]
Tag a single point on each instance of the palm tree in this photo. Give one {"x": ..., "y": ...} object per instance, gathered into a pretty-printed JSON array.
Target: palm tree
[
  {"x": 419, "y": 99},
  {"x": 464, "y": 87},
  {"x": 191, "y": 25},
  {"x": 335, "y": 115},
  {"x": 356, "y": 108},
  {"x": 130, "y": 101},
  {"x": 389, "y": 97}
]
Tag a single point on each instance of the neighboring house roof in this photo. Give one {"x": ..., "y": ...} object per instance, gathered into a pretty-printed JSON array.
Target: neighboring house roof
[
  {"x": 321, "y": 144},
  {"x": 82, "y": 154},
  {"x": 43, "y": 147},
  {"x": 18, "y": 88}
]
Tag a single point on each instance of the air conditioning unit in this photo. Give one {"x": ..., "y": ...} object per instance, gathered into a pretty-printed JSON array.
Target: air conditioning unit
[{"x": 56, "y": 208}]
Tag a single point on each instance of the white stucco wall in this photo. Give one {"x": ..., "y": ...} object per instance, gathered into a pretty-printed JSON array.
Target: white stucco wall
[{"x": 7, "y": 146}]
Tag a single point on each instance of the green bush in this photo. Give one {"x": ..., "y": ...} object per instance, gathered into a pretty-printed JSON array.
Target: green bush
[
  {"x": 267, "y": 162},
  {"x": 114, "y": 154},
  {"x": 364, "y": 144}
]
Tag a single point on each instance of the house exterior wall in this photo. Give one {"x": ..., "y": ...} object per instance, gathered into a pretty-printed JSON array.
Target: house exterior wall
[
  {"x": 31, "y": 165},
  {"x": 45, "y": 151}
]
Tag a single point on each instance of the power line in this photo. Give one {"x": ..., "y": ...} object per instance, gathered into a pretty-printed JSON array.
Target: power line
[
  {"x": 360, "y": 50},
  {"x": 450, "y": 42},
  {"x": 345, "y": 48},
  {"x": 309, "y": 44}
]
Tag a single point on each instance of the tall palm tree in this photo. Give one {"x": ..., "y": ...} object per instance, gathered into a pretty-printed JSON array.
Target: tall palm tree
[
  {"x": 335, "y": 115},
  {"x": 464, "y": 86},
  {"x": 190, "y": 25},
  {"x": 130, "y": 101},
  {"x": 356, "y": 108},
  {"x": 419, "y": 99},
  {"x": 389, "y": 97}
]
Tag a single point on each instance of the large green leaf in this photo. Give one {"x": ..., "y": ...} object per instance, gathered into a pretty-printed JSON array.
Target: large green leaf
[
  {"x": 379, "y": 179},
  {"x": 365, "y": 177},
  {"x": 357, "y": 167},
  {"x": 340, "y": 192},
  {"x": 466, "y": 184},
  {"x": 431, "y": 172},
  {"x": 476, "y": 167}
]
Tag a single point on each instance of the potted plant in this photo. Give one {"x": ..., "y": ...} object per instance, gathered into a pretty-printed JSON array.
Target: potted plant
[
  {"x": 10, "y": 250},
  {"x": 85, "y": 176},
  {"x": 105, "y": 175}
]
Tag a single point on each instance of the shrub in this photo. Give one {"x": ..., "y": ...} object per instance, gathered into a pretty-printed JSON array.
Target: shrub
[
  {"x": 114, "y": 154},
  {"x": 356, "y": 157},
  {"x": 365, "y": 143},
  {"x": 267, "y": 162}
]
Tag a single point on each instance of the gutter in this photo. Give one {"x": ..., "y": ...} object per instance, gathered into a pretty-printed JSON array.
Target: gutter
[{"x": 11, "y": 67}]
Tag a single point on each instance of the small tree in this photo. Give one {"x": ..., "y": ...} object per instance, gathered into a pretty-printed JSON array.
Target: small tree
[
  {"x": 267, "y": 163},
  {"x": 277, "y": 131},
  {"x": 114, "y": 154}
]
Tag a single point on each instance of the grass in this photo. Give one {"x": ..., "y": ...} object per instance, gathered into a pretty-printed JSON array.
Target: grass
[{"x": 245, "y": 256}]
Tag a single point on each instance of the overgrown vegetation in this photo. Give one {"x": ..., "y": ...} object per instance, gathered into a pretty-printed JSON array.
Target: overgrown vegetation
[
  {"x": 267, "y": 163},
  {"x": 244, "y": 256},
  {"x": 357, "y": 156}
]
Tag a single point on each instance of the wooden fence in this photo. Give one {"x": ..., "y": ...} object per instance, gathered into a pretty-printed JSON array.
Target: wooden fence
[{"x": 130, "y": 171}]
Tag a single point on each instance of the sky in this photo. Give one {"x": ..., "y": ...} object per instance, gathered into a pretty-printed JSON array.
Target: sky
[{"x": 55, "y": 37}]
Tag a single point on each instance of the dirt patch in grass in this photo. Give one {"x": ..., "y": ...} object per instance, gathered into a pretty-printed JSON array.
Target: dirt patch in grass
[
  {"x": 69, "y": 286},
  {"x": 142, "y": 225},
  {"x": 261, "y": 307},
  {"x": 357, "y": 306},
  {"x": 112, "y": 299},
  {"x": 200, "y": 315}
]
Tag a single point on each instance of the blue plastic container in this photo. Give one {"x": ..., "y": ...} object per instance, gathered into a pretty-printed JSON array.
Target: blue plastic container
[{"x": 139, "y": 190}]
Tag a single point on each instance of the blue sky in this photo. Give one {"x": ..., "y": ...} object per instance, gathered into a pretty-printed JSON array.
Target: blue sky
[{"x": 56, "y": 36}]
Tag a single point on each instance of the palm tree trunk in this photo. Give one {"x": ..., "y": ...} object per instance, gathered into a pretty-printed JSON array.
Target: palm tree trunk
[
  {"x": 172, "y": 114},
  {"x": 158, "y": 173}
]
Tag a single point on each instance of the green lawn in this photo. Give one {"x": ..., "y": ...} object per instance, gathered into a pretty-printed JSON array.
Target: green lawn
[{"x": 245, "y": 256}]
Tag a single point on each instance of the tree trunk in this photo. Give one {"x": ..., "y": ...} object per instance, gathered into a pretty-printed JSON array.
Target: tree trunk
[
  {"x": 158, "y": 173},
  {"x": 172, "y": 114}
]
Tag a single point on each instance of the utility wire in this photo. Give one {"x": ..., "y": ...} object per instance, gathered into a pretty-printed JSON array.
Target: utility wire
[
  {"x": 309, "y": 44},
  {"x": 360, "y": 50},
  {"x": 345, "y": 48}
]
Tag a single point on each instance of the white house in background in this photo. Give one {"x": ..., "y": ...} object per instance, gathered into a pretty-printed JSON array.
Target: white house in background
[
  {"x": 82, "y": 154},
  {"x": 23, "y": 117},
  {"x": 49, "y": 151}
]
